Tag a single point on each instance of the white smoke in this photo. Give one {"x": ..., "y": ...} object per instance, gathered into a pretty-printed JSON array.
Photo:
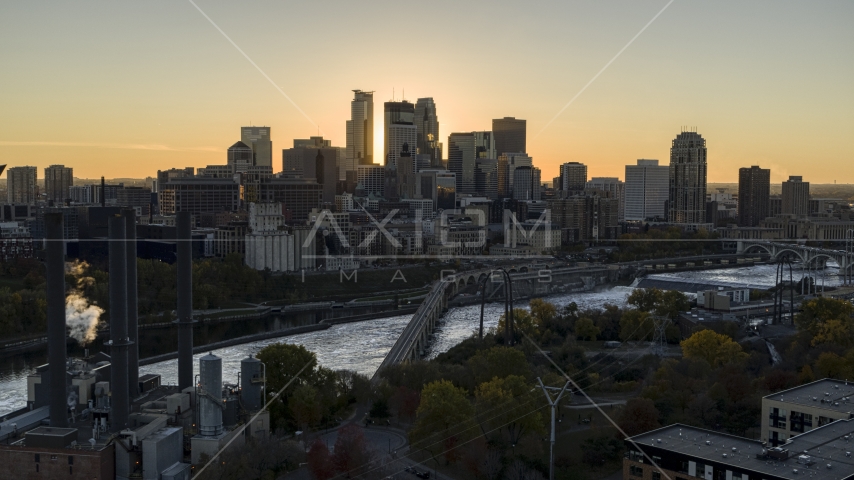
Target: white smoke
[{"x": 80, "y": 317}]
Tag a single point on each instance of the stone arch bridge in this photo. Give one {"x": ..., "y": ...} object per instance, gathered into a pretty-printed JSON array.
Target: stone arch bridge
[{"x": 808, "y": 256}]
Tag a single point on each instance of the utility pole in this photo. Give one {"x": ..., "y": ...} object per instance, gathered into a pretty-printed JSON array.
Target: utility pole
[{"x": 552, "y": 403}]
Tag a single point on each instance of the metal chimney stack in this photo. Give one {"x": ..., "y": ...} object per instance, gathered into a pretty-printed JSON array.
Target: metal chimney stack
[
  {"x": 132, "y": 301},
  {"x": 103, "y": 193},
  {"x": 55, "y": 256},
  {"x": 119, "y": 343},
  {"x": 185, "y": 301}
]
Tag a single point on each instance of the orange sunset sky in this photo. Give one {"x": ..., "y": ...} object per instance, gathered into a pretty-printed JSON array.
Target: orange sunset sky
[{"x": 122, "y": 89}]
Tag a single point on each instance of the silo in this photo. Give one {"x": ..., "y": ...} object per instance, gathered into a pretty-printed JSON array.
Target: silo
[
  {"x": 210, "y": 395},
  {"x": 252, "y": 381}
]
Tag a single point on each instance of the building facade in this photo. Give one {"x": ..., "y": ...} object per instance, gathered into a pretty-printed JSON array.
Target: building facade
[
  {"x": 796, "y": 196},
  {"x": 360, "y": 130},
  {"x": 57, "y": 180},
  {"x": 21, "y": 185},
  {"x": 573, "y": 176},
  {"x": 258, "y": 139},
  {"x": 427, "y": 126},
  {"x": 646, "y": 192},
  {"x": 613, "y": 188},
  {"x": 510, "y": 135}
]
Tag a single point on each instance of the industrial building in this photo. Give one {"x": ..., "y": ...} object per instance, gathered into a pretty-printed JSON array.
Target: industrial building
[{"x": 95, "y": 417}]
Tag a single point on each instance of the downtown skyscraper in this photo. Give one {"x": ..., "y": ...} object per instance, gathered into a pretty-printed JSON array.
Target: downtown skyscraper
[
  {"x": 360, "y": 130},
  {"x": 754, "y": 192},
  {"x": 258, "y": 139},
  {"x": 510, "y": 135},
  {"x": 687, "y": 199},
  {"x": 21, "y": 185},
  {"x": 57, "y": 180},
  {"x": 427, "y": 124},
  {"x": 399, "y": 129}
]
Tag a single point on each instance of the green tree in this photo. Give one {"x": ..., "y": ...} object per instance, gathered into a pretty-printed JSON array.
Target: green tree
[
  {"x": 585, "y": 329},
  {"x": 636, "y": 325},
  {"x": 523, "y": 322},
  {"x": 498, "y": 362},
  {"x": 304, "y": 406},
  {"x": 645, "y": 299},
  {"x": 670, "y": 303},
  {"x": 638, "y": 416},
  {"x": 444, "y": 419},
  {"x": 712, "y": 347},
  {"x": 507, "y": 403}
]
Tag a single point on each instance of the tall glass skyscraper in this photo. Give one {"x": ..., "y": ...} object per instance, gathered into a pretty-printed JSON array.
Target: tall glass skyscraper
[
  {"x": 427, "y": 123},
  {"x": 360, "y": 131},
  {"x": 399, "y": 129},
  {"x": 461, "y": 160},
  {"x": 687, "y": 202}
]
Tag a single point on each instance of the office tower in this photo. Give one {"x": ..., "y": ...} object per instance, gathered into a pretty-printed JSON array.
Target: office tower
[
  {"x": 258, "y": 139},
  {"x": 304, "y": 152},
  {"x": 198, "y": 195},
  {"x": 754, "y": 192},
  {"x": 796, "y": 196},
  {"x": 526, "y": 183},
  {"x": 360, "y": 130},
  {"x": 614, "y": 188},
  {"x": 510, "y": 135},
  {"x": 319, "y": 164},
  {"x": 507, "y": 164},
  {"x": 484, "y": 145},
  {"x": 486, "y": 178},
  {"x": 427, "y": 124},
  {"x": 647, "y": 190},
  {"x": 371, "y": 179},
  {"x": 239, "y": 157},
  {"x": 461, "y": 160},
  {"x": 57, "y": 179},
  {"x": 399, "y": 128},
  {"x": 21, "y": 185},
  {"x": 439, "y": 186},
  {"x": 687, "y": 199},
  {"x": 405, "y": 174},
  {"x": 573, "y": 176}
]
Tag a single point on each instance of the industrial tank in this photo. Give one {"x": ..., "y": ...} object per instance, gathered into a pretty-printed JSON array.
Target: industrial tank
[
  {"x": 210, "y": 395},
  {"x": 252, "y": 382}
]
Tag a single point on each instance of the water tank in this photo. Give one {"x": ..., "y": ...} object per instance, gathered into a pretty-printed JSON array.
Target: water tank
[
  {"x": 210, "y": 395},
  {"x": 252, "y": 382}
]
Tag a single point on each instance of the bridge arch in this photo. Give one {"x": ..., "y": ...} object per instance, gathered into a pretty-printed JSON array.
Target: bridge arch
[
  {"x": 790, "y": 250},
  {"x": 760, "y": 246}
]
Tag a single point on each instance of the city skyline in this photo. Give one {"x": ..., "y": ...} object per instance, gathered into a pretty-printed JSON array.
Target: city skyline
[{"x": 759, "y": 92}]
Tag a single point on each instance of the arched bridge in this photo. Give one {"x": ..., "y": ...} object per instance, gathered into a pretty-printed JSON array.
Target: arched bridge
[{"x": 810, "y": 256}]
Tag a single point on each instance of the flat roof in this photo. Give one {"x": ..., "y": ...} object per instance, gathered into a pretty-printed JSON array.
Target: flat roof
[
  {"x": 826, "y": 445},
  {"x": 827, "y": 394}
]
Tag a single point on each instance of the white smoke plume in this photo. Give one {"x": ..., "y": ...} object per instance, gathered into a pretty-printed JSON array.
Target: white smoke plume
[{"x": 80, "y": 317}]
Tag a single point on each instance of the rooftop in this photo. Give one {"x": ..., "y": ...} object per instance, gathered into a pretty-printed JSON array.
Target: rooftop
[
  {"x": 826, "y": 393},
  {"x": 823, "y": 453}
]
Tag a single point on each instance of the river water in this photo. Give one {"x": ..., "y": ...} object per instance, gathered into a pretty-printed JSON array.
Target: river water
[{"x": 362, "y": 346}]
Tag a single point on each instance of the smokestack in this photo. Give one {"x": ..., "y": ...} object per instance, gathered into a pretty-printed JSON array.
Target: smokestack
[
  {"x": 133, "y": 328},
  {"x": 103, "y": 193},
  {"x": 119, "y": 403},
  {"x": 55, "y": 257},
  {"x": 185, "y": 302}
]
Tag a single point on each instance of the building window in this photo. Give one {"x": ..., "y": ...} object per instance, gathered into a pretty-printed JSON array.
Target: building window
[
  {"x": 636, "y": 471},
  {"x": 37, "y": 468},
  {"x": 656, "y": 475},
  {"x": 38, "y": 458},
  {"x": 53, "y": 457},
  {"x": 71, "y": 459}
]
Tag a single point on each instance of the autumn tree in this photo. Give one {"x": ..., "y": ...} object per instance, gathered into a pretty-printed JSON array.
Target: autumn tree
[
  {"x": 351, "y": 454},
  {"x": 638, "y": 416},
  {"x": 444, "y": 420},
  {"x": 319, "y": 461},
  {"x": 827, "y": 320},
  {"x": 712, "y": 347},
  {"x": 636, "y": 325}
]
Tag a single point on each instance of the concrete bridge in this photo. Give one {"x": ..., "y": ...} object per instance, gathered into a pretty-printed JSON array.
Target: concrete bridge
[{"x": 810, "y": 257}]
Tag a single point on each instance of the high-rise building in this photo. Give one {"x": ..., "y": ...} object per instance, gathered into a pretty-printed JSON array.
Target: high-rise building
[
  {"x": 486, "y": 178},
  {"x": 258, "y": 139},
  {"x": 240, "y": 157},
  {"x": 399, "y": 128},
  {"x": 371, "y": 179},
  {"x": 360, "y": 130},
  {"x": 507, "y": 164},
  {"x": 796, "y": 196},
  {"x": 304, "y": 152},
  {"x": 573, "y": 176},
  {"x": 405, "y": 174},
  {"x": 646, "y": 192},
  {"x": 510, "y": 135},
  {"x": 614, "y": 188},
  {"x": 461, "y": 160},
  {"x": 687, "y": 199},
  {"x": 526, "y": 183},
  {"x": 484, "y": 145},
  {"x": 427, "y": 124},
  {"x": 21, "y": 185},
  {"x": 439, "y": 186},
  {"x": 320, "y": 164},
  {"x": 754, "y": 195},
  {"x": 57, "y": 179}
]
